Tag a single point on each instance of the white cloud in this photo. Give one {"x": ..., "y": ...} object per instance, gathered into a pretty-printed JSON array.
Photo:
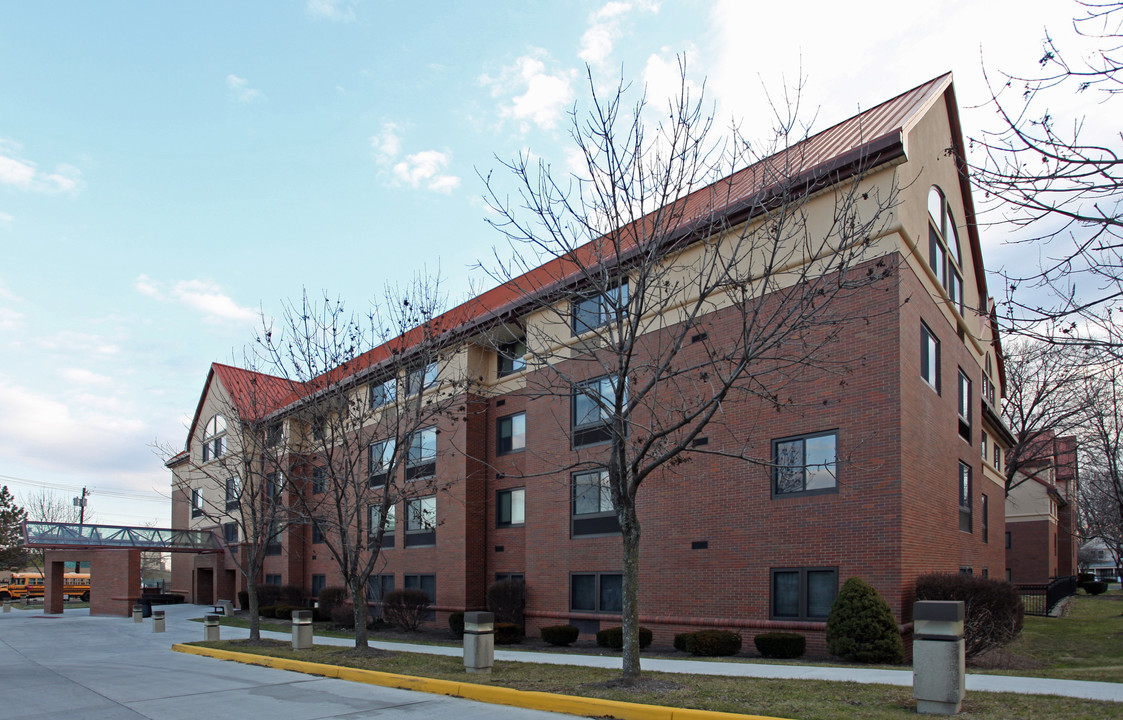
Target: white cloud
[
  {"x": 24, "y": 174},
  {"x": 241, "y": 91},
  {"x": 10, "y": 319},
  {"x": 535, "y": 96},
  {"x": 605, "y": 29},
  {"x": 337, "y": 10},
  {"x": 424, "y": 168},
  {"x": 421, "y": 169},
  {"x": 6, "y": 218},
  {"x": 386, "y": 144},
  {"x": 78, "y": 343},
  {"x": 82, "y": 376},
  {"x": 203, "y": 296}
]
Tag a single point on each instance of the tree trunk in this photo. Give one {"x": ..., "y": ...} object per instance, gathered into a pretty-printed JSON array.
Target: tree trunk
[
  {"x": 255, "y": 615},
  {"x": 359, "y": 599},
  {"x": 630, "y": 530}
]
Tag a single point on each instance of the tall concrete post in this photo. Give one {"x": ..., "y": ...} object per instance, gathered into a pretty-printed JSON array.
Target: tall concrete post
[
  {"x": 157, "y": 621},
  {"x": 138, "y": 613},
  {"x": 302, "y": 630},
  {"x": 479, "y": 641},
  {"x": 938, "y": 662}
]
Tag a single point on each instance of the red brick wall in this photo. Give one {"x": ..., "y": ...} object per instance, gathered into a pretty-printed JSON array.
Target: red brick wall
[{"x": 1030, "y": 557}]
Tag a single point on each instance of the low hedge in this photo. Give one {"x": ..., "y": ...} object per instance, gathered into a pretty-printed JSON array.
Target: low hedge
[
  {"x": 1096, "y": 587},
  {"x": 780, "y": 645},
  {"x": 712, "y": 643},
  {"x": 560, "y": 635},
  {"x": 284, "y": 612},
  {"x": 456, "y": 623},
  {"x": 269, "y": 611},
  {"x": 508, "y": 633},
  {"x": 614, "y": 638},
  {"x": 680, "y": 641}
]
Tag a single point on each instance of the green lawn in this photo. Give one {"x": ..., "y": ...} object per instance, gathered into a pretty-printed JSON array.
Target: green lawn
[
  {"x": 803, "y": 700},
  {"x": 1086, "y": 644}
]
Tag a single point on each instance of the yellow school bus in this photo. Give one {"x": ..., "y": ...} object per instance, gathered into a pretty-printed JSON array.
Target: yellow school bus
[{"x": 30, "y": 584}]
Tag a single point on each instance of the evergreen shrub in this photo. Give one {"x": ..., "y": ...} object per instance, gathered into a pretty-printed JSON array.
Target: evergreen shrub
[
  {"x": 1096, "y": 587},
  {"x": 780, "y": 645},
  {"x": 614, "y": 638},
  {"x": 861, "y": 627},
  {"x": 456, "y": 623},
  {"x": 713, "y": 643},
  {"x": 560, "y": 635},
  {"x": 507, "y": 633}
]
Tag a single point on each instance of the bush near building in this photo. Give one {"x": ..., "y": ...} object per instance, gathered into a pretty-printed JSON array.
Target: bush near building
[
  {"x": 993, "y": 613},
  {"x": 560, "y": 635},
  {"x": 780, "y": 645},
  {"x": 861, "y": 627}
]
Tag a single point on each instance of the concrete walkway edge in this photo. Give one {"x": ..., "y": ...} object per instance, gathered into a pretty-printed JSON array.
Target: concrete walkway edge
[{"x": 589, "y": 707}]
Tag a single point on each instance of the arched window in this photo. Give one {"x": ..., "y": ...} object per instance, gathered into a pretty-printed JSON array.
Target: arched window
[
  {"x": 214, "y": 438},
  {"x": 944, "y": 254}
]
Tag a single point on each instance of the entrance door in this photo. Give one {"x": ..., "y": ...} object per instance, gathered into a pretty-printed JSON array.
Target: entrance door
[{"x": 204, "y": 586}]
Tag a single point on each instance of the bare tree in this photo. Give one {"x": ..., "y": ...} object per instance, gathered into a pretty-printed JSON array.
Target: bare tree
[
  {"x": 1046, "y": 397},
  {"x": 1049, "y": 172},
  {"x": 666, "y": 292},
  {"x": 1102, "y": 476},
  {"x": 46, "y": 506},
  {"x": 12, "y": 556},
  {"x": 238, "y": 480},
  {"x": 375, "y": 390}
]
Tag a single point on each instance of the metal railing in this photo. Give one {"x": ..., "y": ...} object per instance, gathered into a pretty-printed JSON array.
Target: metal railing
[{"x": 1040, "y": 600}]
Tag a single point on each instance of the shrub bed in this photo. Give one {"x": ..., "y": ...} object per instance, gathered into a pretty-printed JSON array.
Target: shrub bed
[
  {"x": 861, "y": 627},
  {"x": 780, "y": 645},
  {"x": 614, "y": 638},
  {"x": 405, "y": 608},
  {"x": 456, "y": 623},
  {"x": 993, "y": 611},
  {"x": 560, "y": 635},
  {"x": 712, "y": 643},
  {"x": 1096, "y": 587},
  {"x": 507, "y": 633},
  {"x": 330, "y": 598}
]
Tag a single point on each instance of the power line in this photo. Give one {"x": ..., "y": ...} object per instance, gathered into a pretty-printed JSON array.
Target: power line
[{"x": 121, "y": 494}]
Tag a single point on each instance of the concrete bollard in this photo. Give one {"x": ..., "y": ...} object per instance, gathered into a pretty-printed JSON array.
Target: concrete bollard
[
  {"x": 479, "y": 642},
  {"x": 157, "y": 621},
  {"x": 7, "y": 606},
  {"x": 938, "y": 664},
  {"x": 302, "y": 630},
  {"x": 138, "y": 613},
  {"x": 210, "y": 628},
  {"x": 227, "y": 607}
]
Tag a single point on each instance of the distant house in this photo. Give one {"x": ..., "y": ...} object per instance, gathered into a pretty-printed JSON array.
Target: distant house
[
  {"x": 1041, "y": 519},
  {"x": 887, "y": 473},
  {"x": 1100, "y": 559}
]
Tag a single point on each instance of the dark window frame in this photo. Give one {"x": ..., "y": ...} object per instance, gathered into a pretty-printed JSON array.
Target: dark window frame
[
  {"x": 984, "y": 520},
  {"x": 376, "y": 479},
  {"x": 424, "y": 536},
  {"x": 777, "y": 468},
  {"x": 963, "y": 408},
  {"x": 499, "y": 504},
  {"x": 509, "y": 359},
  {"x": 598, "y": 592},
  {"x": 422, "y": 377},
  {"x": 417, "y": 580},
  {"x": 420, "y": 465},
  {"x": 505, "y": 443},
  {"x": 233, "y": 493},
  {"x": 583, "y": 307},
  {"x": 803, "y": 590},
  {"x": 196, "y": 502},
  {"x": 230, "y": 533},
  {"x": 965, "y": 482},
  {"x": 592, "y": 524},
  {"x": 391, "y": 525},
  {"x": 592, "y": 432},
  {"x": 382, "y": 393},
  {"x": 929, "y": 339}
]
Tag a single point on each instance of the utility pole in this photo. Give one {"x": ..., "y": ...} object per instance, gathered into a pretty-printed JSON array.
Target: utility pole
[{"x": 81, "y": 503}]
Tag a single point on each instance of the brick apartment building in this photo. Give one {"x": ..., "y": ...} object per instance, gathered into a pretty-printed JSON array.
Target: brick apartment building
[
  {"x": 897, "y": 463},
  {"x": 1041, "y": 519}
]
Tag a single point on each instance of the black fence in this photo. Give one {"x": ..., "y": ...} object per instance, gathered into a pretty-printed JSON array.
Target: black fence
[{"x": 1041, "y": 599}]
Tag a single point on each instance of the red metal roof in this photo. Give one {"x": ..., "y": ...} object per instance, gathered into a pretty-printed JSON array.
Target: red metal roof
[{"x": 877, "y": 127}]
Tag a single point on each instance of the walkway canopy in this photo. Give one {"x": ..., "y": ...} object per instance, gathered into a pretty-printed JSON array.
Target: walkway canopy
[
  {"x": 113, "y": 552},
  {"x": 63, "y": 536}
]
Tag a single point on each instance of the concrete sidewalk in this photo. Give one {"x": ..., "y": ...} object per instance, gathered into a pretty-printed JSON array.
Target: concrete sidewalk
[{"x": 1112, "y": 692}]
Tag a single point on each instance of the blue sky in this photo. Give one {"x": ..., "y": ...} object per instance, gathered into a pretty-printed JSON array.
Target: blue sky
[{"x": 168, "y": 171}]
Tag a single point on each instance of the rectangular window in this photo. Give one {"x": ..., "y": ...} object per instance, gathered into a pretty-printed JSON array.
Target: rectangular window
[
  {"x": 421, "y": 458},
  {"x": 955, "y": 289},
  {"x": 984, "y": 440},
  {"x": 233, "y": 492},
  {"x": 196, "y": 502},
  {"x": 511, "y": 358},
  {"x": 426, "y": 582},
  {"x": 984, "y": 521},
  {"x": 593, "y": 511},
  {"x": 319, "y": 582},
  {"x": 988, "y": 389},
  {"x": 510, "y": 433},
  {"x": 997, "y": 457},
  {"x": 421, "y": 378},
  {"x": 380, "y": 455},
  {"x": 319, "y": 427},
  {"x": 511, "y": 507},
  {"x": 594, "y": 404},
  {"x": 929, "y": 358},
  {"x": 513, "y": 577},
  {"x": 964, "y": 497},
  {"x": 230, "y": 533},
  {"x": 805, "y": 464},
  {"x": 319, "y": 480},
  {"x": 274, "y": 485},
  {"x": 378, "y": 587},
  {"x": 375, "y": 519},
  {"x": 383, "y": 393},
  {"x": 592, "y": 311},
  {"x": 274, "y": 434},
  {"x": 421, "y": 521},
  {"x": 317, "y": 532},
  {"x": 936, "y": 256},
  {"x": 803, "y": 593},
  {"x": 964, "y": 406},
  {"x": 273, "y": 538},
  {"x": 596, "y": 592},
  {"x": 1007, "y": 539},
  {"x": 273, "y": 579}
]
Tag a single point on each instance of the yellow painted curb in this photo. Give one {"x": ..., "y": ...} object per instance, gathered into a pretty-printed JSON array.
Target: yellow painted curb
[{"x": 571, "y": 704}]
